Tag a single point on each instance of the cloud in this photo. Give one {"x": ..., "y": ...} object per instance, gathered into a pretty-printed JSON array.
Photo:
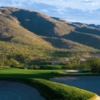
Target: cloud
[
  {"x": 79, "y": 10},
  {"x": 76, "y": 4}
]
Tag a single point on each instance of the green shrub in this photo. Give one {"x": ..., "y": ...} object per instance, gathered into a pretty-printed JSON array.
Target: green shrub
[
  {"x": 94, "y": 64},
  {"x": 85, "y": 65},
  {"x": 11, "y": 63},
  {"x": 34, "y": 67}
]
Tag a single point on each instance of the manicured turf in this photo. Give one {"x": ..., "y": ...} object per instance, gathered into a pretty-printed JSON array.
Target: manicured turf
[
  {"x": 26, "y": 73},
  {"x": 59, "y": 91},
  {"x": 39, "y": 79}
]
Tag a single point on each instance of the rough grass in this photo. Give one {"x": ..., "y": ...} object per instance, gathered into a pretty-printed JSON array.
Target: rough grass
[{"x": 50, "y": 90}]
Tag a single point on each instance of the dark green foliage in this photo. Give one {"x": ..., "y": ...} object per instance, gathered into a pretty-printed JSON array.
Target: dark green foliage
[
  {"x": 85, "y": 65},
  {"x": 94, "y": 64},
  {"x": 61, "y": 54}
]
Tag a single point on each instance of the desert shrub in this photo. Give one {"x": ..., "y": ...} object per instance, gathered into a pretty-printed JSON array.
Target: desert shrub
[{"x": 34, "y": 67}]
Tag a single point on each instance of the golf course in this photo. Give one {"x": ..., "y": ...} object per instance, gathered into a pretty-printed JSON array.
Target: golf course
[
  {"x": 27, "y": 84},
  {"x": 49, "y": 56}
]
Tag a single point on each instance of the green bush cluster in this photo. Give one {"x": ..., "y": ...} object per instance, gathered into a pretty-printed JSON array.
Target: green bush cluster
[
  {"x": 94, "y": 64},
  {"x": 9, "y": 62}
]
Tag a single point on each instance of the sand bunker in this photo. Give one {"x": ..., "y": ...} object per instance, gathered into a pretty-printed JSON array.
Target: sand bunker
[
  {"x": 17, "y": 91},
  {"x": 91, "y": 83}
]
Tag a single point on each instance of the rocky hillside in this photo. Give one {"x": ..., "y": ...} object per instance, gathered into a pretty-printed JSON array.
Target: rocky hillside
[
  {"x": 33, "y": 31},
  {"x": 14, "y": 39}
]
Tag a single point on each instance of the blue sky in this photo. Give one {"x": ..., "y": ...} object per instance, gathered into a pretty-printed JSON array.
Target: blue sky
[{"x": 85, "y": 11}]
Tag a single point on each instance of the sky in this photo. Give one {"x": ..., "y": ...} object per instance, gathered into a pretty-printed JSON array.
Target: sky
[{"x": 84, "y": 11}]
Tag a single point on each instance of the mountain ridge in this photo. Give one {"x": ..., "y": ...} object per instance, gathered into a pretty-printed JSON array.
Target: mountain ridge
[{"x": 55, "y": 33}]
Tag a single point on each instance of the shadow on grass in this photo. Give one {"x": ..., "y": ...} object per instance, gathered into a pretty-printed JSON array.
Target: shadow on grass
[{"x": 25, "y": 76}]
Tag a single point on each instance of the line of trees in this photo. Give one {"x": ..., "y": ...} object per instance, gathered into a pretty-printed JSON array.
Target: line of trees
[
  {"x": 94, "y": 64},
  {"x": 21, "y": 61}
]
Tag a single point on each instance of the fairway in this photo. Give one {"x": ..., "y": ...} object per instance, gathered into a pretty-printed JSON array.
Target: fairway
[{"x": 26, "y": 73}]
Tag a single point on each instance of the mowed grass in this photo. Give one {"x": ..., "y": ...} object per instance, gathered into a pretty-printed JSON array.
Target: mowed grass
[
  {"x": 26, "y": 73},
  {"x": 40, "y": 80}
]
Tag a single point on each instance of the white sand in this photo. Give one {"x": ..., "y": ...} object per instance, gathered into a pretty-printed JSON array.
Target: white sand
[
  {"x": 98, "y": 98},
  {"x": 17, "y": 91}
]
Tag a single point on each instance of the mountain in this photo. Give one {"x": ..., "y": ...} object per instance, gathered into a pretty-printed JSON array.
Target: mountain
[
  {"x": 86, "y": 34},
  {"x": 37, "y": 22},
  {"x": 90, "y": 25},
  {"x": 28, "y": 32},
  {"x": 93, "y": 25},
  {"x": 18, "y": 42}
]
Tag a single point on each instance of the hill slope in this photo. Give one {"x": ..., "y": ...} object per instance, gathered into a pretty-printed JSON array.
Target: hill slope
[
  {"x": 83, "y": 33},
  {"x": 37, "y": 22},
  {"x": 14, "y": 39},
  {"x": 34, "y": 32}
]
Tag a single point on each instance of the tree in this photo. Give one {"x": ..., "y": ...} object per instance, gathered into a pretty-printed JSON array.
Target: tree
[
  {"x": 12, "y": 63},
  {"x": 94, "y": 64}
]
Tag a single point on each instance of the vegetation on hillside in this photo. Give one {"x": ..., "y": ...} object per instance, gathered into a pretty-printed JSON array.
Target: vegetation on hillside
[{"x": 18, "y": 43}]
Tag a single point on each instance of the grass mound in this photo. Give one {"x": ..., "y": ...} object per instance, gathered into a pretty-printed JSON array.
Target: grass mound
[{"x": 56, "y": 91}]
